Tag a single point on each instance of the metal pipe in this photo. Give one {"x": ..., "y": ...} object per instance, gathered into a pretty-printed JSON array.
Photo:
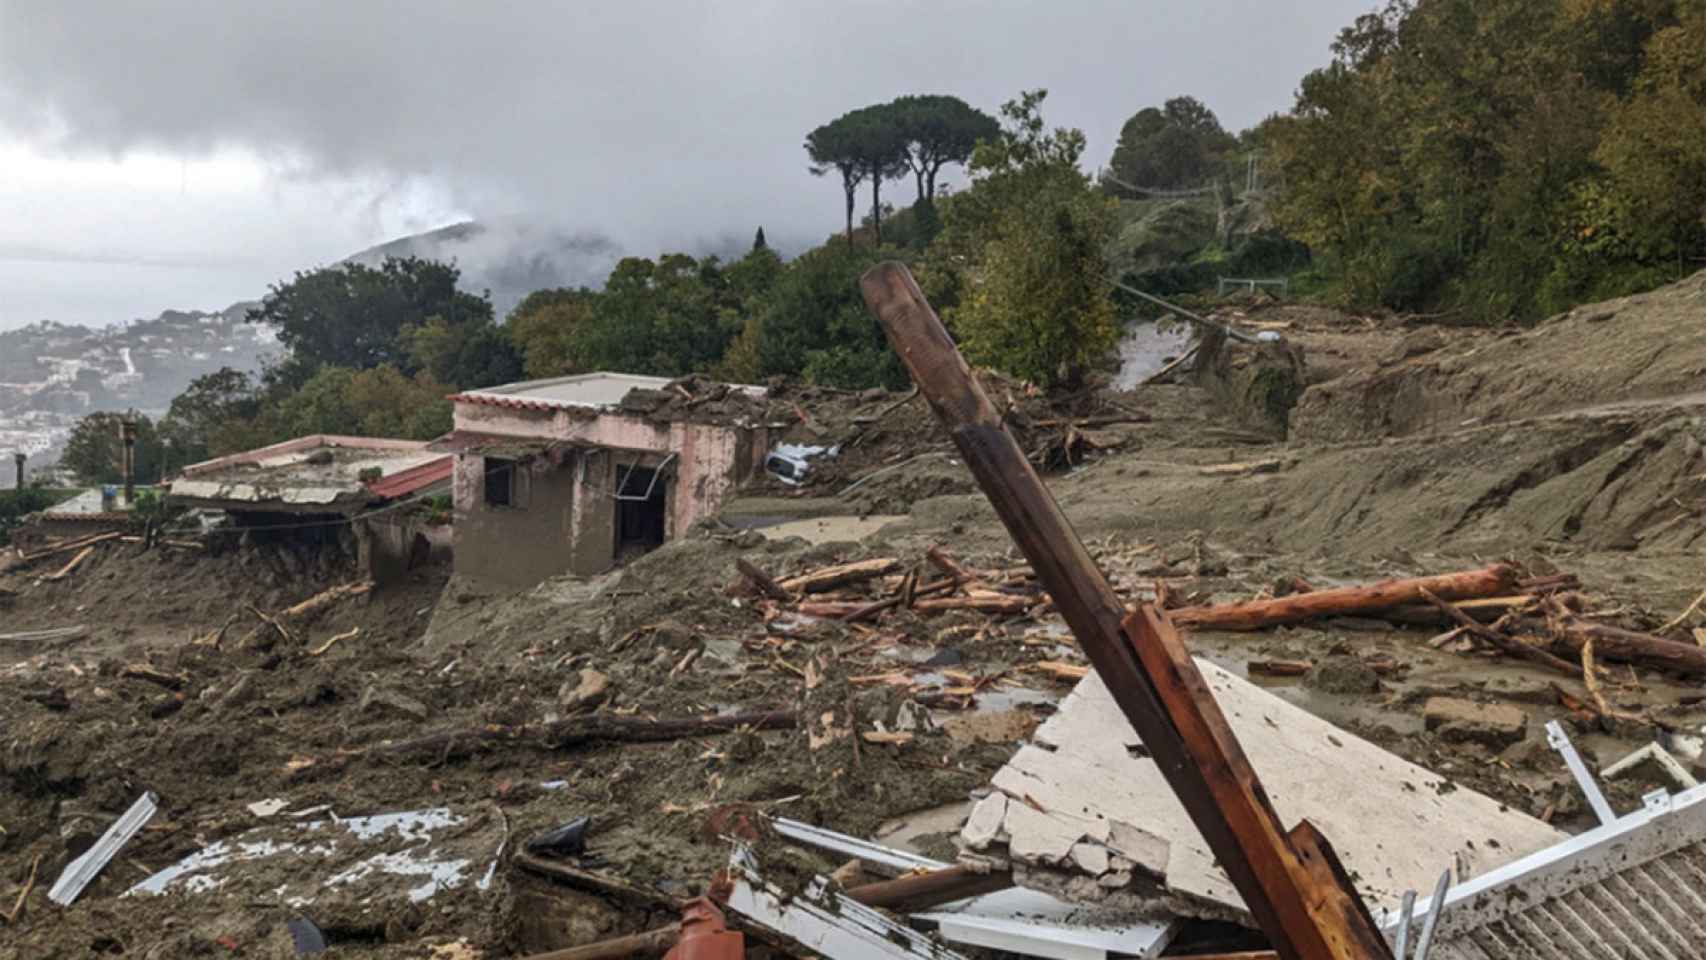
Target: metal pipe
[{"x": 1197, "y": 318}]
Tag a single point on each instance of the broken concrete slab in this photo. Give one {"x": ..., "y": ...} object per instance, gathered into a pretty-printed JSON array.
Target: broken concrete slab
[
  {"x": 1494, "y": 725},
  {"x": 1087, "y": 778}
]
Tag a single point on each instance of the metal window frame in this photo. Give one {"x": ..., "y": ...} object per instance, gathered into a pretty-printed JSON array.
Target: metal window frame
[{"x": 657, "y": 472}]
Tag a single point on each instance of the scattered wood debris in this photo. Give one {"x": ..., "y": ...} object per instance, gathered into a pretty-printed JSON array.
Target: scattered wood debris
[{"x": 997, "y": 593}]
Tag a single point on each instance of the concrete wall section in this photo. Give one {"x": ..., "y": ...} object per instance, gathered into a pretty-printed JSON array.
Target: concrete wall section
[{"x": 521, "y": 544}]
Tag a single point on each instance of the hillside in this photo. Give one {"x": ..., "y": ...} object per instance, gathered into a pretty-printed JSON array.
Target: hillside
[{"x": 51, "y": 374}]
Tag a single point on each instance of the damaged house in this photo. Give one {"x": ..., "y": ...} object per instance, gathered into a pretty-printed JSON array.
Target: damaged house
[
  {"x": 574, "y": 474},
  {"x": 331, "y": 489}
]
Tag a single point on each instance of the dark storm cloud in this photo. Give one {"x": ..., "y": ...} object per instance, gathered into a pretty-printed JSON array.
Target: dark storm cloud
[{"x": 656, "y": 123}]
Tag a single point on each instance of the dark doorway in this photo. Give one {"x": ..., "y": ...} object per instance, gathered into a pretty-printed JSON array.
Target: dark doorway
[{"x": 641, "y": 502}]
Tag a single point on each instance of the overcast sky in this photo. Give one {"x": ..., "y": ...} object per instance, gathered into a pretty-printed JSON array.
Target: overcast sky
[{"x": 179, "y": 153}]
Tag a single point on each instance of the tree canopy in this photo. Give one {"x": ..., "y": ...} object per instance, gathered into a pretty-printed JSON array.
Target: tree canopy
[
  {"x": 939, "y": 130},
  {"x": 354, "y": 315},
  {"x": 1502, "y": 157},
  {"x": 1178, "y": 145},
  {"x": 834, "y": 148},
  {"x": 881, "y": 142}
]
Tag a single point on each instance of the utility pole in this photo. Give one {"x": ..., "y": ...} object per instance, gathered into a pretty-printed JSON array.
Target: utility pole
[
  {"x": 18, "y": 459},
  {"x": 127, "y": 432}
]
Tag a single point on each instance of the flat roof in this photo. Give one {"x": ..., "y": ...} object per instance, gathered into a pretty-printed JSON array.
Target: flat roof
[
  {"x": 582, "y": 390},
  {"x": 594, "y": 391},
  {"x": 320, "y": 470}
]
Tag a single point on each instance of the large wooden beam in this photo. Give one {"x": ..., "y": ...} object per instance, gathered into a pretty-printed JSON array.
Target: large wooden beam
[
  {"x": 1291, "y": 882},
  {"x": 1349, "y": 601}
]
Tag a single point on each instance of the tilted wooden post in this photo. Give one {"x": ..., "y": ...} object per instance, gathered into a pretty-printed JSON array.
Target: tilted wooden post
[{"x": 1292, "y": 883}]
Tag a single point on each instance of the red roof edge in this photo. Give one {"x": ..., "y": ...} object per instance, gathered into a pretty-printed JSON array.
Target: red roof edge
[{"x": 419, "y": 477}]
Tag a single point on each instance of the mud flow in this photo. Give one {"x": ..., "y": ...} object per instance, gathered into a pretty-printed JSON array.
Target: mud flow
[{"x": 433, "y": 768}]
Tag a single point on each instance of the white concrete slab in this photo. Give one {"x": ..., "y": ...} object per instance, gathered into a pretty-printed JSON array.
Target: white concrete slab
[{"x": 1395, "y": 825}]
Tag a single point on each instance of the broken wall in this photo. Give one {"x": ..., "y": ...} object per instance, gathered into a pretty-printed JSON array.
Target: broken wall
[{"x": 392, "y": 545}]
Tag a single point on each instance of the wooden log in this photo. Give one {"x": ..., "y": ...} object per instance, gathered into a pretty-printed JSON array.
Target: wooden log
[
  {"x": 1483, "y": 609},
  {"x": 1307, "y": 914},
  {"x": 326, "y": 598},
  {"x": 764, "y": 582},
  {"x": 152, "y": 674},
  {"x": 1061, "y": 670},
  {"x": 841, "y": 575},
  {"x": 950, "y": 566},
  {"x": 1498, "y": 638},
  {"x": 70, "y": 545},
  {"x": 1278, "y": 668},
  {"x": 349, "y": 634},
  {"x": 1348, "y": 601},
  {"x": 1336, "y": 921},
  {"x": 996, "y": 603},
  {"x": 837, "y": 609},
  {"x": 71, "y": 567},
  {"x": 596, "y": 882},
  {"x": 903, "y": 599},
  {"x": 1623, "y": 646},
  {"x": 921, "y": 891}
]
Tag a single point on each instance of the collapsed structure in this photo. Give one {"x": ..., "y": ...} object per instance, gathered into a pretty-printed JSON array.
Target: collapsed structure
[
  {"x": 331, "y": 488},
  {"x": 572, "y": 474}
]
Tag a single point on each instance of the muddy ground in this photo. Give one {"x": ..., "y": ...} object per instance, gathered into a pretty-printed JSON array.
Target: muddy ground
[{"x": 1558, "y": 459}]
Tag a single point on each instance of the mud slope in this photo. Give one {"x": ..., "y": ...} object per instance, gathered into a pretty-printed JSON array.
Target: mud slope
[
  {"x": 1615, "y": 480},
  {"x": 1637, "y": 348}
]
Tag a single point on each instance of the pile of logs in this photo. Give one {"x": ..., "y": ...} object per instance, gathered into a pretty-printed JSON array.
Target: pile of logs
[
  {"x": 842, "y": 592},
  {"x": 1541, "y": 619},
  {"x": 1494, "y": 609}
]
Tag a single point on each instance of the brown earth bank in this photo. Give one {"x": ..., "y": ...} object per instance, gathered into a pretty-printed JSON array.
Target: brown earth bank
[{"x": 516, "y": 711}]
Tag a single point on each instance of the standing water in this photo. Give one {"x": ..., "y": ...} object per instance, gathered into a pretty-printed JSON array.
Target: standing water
[{"x": 1147, "y": 347}]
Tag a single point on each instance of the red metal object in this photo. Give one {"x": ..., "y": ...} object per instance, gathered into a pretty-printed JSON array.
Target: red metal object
[{"x": 704, "y": 935}]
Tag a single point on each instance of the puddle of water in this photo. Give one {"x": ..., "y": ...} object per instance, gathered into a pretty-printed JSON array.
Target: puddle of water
[{"x": 1146, "y": 348}]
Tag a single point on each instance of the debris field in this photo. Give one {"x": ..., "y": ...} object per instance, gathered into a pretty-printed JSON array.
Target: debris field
[{"x": 1437, "y": 558}]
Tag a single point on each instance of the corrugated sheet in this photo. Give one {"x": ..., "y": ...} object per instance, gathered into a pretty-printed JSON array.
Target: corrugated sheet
[
  {"x": 1652, "y": 910},
  {"x": 1633, "y": 889}
]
